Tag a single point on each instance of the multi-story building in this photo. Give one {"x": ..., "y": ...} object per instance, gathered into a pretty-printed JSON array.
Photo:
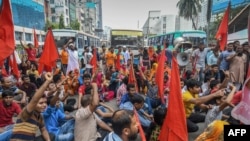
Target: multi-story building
[
  {"x": 28, "y": 14},
  {"x": 60, "y": 8},
  {"x": 157, "y": 24},
  {"x": 72, "y": 11},
  {"x": 149, "y": 26},
  {"x": 183, "y": 24},
  {"x": 99, "y": 24}
]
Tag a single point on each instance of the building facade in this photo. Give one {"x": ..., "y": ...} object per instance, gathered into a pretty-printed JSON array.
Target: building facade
[
  {"x": 160, "y": 24},
  {"x": 27, "y": 15},
  {"x": 59, "y": 8}
]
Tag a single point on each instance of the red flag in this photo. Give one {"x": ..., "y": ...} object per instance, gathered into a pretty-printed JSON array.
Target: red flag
[
  {"x": 221, "y": 34},
  {"x": 14, "y": 66},
  {"x": 118, "y": 62},
  {"x": 49, "y": 56},
  {"x": 174, "y": 127},
  {"x": 141, "y": 132},
  {"x": 131, "y": 77},
  {"x": 7, "y": 40},
  {"x": 93, "y": 61},
  {"x": 35, "y": 39},
  {"x": 159, "y": 75}
]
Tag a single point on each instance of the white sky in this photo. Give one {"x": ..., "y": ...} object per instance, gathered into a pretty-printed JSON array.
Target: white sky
[{"x": 127, "y": 13}]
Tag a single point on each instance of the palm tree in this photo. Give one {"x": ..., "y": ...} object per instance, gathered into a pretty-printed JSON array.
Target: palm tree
[{"x": 189, "y": 9}]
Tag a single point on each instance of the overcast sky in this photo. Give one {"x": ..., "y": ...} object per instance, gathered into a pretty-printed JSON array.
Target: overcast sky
[{"x": 127, "y": 13}]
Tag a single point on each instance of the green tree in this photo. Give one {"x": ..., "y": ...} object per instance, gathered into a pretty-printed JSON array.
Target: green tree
[
  {"x": 49, "y": 24},
  {"x": 75, "y": 25},
  {"x": 189, "y": 10},
  {"x": 61, "y": 22}
]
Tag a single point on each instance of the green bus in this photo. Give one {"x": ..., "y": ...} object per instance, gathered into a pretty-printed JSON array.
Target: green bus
[{"x": 193, "y": 36}]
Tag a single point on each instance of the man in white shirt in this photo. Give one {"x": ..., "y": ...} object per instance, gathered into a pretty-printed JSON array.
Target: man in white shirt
[
  {"x": 87, "y": 57},
  {"x": 73, "y": 63},
  {"x": 125, "y": 55}
]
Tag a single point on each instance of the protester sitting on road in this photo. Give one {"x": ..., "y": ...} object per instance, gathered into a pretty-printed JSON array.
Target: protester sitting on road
[
  {"x": 124, "y": 125},
  {"x": 53, "y": 117},
  {"x": 215, "y": 113},
  {"x": 159, "y": 116},
  {"x": 86, "y": 118},
  {"x": 191, "y": 99},
  {"x": 30, "y": 119},
  {"x": 8, "y": 109},
  {"x": 137, "y": 102}
]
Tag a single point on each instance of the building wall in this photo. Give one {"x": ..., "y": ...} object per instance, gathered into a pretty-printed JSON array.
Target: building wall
[
  {"x": 28, "y": 13},
  {"x": 58, "y": 8},
  {"x": 72, "y": 10}
]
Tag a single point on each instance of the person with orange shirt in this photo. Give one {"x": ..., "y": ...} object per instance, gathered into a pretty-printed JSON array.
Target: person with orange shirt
[
  {"x": 110, "y": 58},
  {"x": 64, "y": 60}
]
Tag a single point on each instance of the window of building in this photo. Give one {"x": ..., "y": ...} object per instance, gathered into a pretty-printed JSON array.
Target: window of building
[
  {"x": 53, "y": 19},
  {"x": 53, "y": 10},
  {"x": 43, "y": 38},
  {"x": 164, "y": 25},
  {"x": 18, "y": 35},
  {"x": 52, "y": 1},
  {"x": 67, "y": 12},
  {"x": 28, "y": 36}
]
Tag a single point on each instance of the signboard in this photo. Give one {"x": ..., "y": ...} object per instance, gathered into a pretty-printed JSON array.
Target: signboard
[{"x": 220, "y": 5}]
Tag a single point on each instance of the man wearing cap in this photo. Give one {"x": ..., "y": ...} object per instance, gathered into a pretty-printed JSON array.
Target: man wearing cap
[{"x": 73, "y": 63}]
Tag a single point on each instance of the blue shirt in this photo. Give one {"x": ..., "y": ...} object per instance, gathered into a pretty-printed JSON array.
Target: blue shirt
[
  {"x": 143, "y": 120},
  {"x": 224, "y": 65},
  {"x": 168, "y": 54},
  {"x": 112, "y": 137},
  {"x": 125, "y": 98},
  {"x": 52, "y": 116}
]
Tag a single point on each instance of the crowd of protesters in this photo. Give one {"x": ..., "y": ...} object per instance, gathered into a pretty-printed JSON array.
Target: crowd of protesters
[{"x": 69, "y": 103}]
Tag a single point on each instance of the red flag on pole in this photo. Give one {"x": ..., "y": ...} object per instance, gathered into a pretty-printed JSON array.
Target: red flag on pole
[
  {"x": 159, "y": 75},
  {"x": 7, "y": 40},
  {"x": 141, "y": 132},
  {"x": 93, "y": 61},
  {"x": 174, "y": 127},
  {"x": 50, "y": 54},
  {"x": 35, "y": 39},
  {"x": 14, "y": 66},
  {"x": 221, "y": 34}
]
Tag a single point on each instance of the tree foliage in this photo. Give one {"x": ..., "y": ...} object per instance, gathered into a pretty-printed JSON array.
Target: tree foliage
[
  {"x": 61, "y": 22},
  {"x": 49, "y": 24},
  {"x": 189, "y": 9},
  {"x": 75, "y": 25}
]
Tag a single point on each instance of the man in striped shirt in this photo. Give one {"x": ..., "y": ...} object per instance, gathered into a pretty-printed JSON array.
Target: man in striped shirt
[{"x": 30, "y": 119}]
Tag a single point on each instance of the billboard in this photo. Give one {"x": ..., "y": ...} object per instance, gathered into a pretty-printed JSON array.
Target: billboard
[{"x": 220, "y": 5}]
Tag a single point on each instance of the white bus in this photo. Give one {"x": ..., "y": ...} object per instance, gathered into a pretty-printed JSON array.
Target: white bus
[{"x": 82, "y": 39}]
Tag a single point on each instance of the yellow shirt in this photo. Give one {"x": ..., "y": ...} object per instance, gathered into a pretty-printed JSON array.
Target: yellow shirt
[{"x": 189, "y": 107}]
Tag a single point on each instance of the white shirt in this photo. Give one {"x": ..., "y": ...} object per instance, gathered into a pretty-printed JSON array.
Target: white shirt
[{"x": 73, "y": 60}]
